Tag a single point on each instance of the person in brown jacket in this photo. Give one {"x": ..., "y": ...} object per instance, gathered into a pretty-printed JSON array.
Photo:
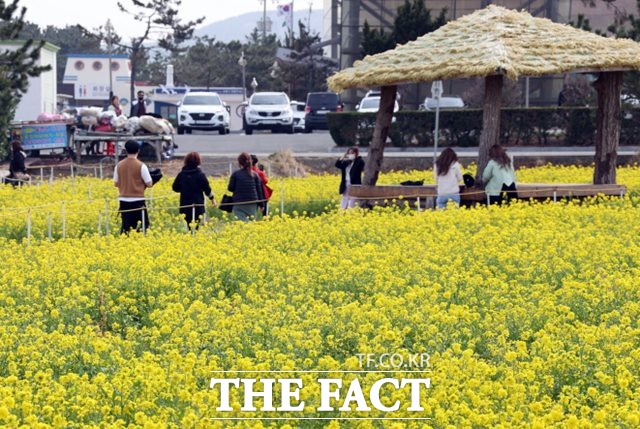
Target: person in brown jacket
[{"x": 132, "y": 178}]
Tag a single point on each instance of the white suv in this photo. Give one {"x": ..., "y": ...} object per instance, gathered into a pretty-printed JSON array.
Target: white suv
[
  {"x": 203, "y": 111},
  {"x": 268, "y": 111}
]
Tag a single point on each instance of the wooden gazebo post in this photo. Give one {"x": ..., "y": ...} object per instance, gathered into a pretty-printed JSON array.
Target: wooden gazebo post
[
  {"x": 380, "y": 134},
  {"x": 609, "y": 123},
  {"x": 490, "y": 120}
]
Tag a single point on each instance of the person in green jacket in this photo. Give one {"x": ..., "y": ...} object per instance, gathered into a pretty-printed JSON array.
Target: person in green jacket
[{"x": 499, "y": 176}]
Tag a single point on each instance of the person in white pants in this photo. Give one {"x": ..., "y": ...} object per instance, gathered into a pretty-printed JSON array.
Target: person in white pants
[{"x": 351, "y": 166}]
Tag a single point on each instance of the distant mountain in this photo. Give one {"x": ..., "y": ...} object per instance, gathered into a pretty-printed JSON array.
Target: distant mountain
[{"x": 239, "y": 27}]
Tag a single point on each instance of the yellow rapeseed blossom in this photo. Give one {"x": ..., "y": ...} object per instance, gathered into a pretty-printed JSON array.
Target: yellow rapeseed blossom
[{"x": 528, "y": 312}]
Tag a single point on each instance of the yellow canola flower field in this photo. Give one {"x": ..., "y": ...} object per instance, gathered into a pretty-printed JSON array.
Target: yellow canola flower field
[
  {"x": 84, "y": 206},
  {"x": 529, "y": 312}
]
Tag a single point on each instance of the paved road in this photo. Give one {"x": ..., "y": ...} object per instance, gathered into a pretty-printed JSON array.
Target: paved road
[
  {"x": 213, "y": 144},
  {"x": 320, "y": 145}
]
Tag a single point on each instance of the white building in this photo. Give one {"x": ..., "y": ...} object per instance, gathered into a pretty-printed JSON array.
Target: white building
[
  {"x": 41, "y": 92},
  {"x": 89, "y": 74}
]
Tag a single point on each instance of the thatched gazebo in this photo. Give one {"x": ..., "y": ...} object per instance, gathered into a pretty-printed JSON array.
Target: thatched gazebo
[{"x": 493, "y": 43}]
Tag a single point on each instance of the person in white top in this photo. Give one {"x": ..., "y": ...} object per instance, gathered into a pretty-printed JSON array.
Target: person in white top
[{"x": 448, "y": 174}]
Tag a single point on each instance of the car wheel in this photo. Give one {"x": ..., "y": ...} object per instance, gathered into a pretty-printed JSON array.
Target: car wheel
[
  {"x": 289, "y": 130},
  {"x": 308, "y": 130},
  {"x": 222, "y": 131},
  {"x": 180, "y": 130},
  {"x": 188, "y": 130},
  {"x": 248, "y": 130}
]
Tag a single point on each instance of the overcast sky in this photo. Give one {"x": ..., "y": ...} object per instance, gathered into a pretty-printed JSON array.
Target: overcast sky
[{"x": 94, "y": 13}]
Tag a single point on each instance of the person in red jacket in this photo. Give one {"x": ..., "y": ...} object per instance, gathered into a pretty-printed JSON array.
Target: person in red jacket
[{"x": 266, "y": 190}]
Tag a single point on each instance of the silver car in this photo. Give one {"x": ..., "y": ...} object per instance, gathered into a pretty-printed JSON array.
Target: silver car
[
  {"x": 268, "y": 111},
  {"x": 299, "y": 114}
]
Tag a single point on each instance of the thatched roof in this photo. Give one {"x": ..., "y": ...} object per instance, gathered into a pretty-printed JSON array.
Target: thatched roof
[{"x": 491, "y": 41}]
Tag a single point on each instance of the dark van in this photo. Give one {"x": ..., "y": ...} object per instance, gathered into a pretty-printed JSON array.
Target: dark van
[{"x": 318, "y": 105}]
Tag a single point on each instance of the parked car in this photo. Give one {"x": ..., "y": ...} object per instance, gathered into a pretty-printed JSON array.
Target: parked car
[
  {"x": 268, "y": 111},
  {"x": 372, "y": 104},
  {"x": 629, "y": 99},
  {"x": 298, "y": 108},
  {"x": 318, "y": 105},
  {"x": 378, "y": 93},
  {"x": 203, "y": 111},
  {"x": 445, "y": 103}
]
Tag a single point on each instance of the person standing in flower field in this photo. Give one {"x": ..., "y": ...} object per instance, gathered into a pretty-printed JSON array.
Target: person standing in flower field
[
  {"x": 247, "y": 190},
  {"x": 17, "y": 168},
  {"x": 266, "y": 190},
  {"x": 132, "y": 178},
  {"x": 192, "y": 184},
  {"x": 351, "y": 166},
  {"x": 499, "y": 176},
  {"x": 448, "y": 177}
]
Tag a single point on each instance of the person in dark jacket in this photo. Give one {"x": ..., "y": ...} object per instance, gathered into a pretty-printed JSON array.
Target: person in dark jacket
[
  {"x": 138, "y": 107},
  {"x": 17, "y": 168},
  {"x": 192, "y": 184},
  {"x": 351, "y": 166},
  {"x": 247, "y": 190}
]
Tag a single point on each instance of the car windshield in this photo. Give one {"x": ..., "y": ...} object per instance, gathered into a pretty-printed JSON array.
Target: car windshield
[
  {"x": 297, "y": 107},
  {"x": 323, "y": 98},
  {"x": 269, "y": 99},
  {"x": 370, "y": 103},
  {"x": 202, "y": 100}
]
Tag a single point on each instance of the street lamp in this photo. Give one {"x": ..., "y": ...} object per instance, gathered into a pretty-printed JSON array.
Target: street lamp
[
  {"x": 436, "y": 93},
  {"x": 243, "y": 63},
  {"x": 109, "y": 28}
]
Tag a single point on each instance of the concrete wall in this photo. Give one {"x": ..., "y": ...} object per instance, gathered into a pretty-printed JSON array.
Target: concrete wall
[
  {"x": 90, "y": 76},
  {"x": 49, "y": 81},
  {"x": 41, "y": 91}
]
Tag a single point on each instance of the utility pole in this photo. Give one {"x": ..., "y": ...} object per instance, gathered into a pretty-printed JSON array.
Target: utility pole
[
  {"x": 264, "y": 22},
  {"x": 350, "y": 35},
  {"x": 109, "y": 28}
]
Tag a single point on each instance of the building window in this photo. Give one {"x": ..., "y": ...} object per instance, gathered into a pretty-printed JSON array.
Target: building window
[
  {"x": 97, "y": 65},
  {"x": 79, "y": 65}
]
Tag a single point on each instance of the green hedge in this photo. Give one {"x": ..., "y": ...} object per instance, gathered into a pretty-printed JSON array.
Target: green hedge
[{"x": 538, "y": 126}]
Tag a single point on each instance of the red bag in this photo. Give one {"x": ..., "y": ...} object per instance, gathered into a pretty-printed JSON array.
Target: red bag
[{"x": 267, "y": 191}]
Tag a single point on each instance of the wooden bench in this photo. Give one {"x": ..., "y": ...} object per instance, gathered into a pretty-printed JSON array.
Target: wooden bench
[{"x": 537, "y": 191}]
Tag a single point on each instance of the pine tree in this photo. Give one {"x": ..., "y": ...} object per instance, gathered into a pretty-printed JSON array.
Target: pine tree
[
  {"x": 16, "y": 65},
  {"x": 153, "y": 17},
  {"x": 412, "y": 21},
  {"x": 375, "y": 41}
]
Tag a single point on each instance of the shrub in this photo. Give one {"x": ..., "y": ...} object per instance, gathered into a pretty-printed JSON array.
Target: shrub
[{"x": 536, "y": 126}]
